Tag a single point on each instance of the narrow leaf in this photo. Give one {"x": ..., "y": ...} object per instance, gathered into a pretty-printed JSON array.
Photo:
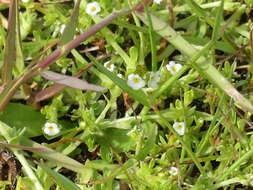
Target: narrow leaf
[
  {"x": 218, "y": 20},
  {"x": 11, "y": 49},
  {"x": 72, "y": 82},
  {"x": 56, "y": 88},
  {"x": 69, "y": 31},
  {"x": 60, "y": 180}
]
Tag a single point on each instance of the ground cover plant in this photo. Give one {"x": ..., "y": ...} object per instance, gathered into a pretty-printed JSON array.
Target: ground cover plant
[{"x": 126, "y": 94}]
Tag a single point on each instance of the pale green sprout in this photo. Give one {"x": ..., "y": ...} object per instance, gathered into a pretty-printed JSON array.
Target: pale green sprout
[{"x": 154, "y": 78}]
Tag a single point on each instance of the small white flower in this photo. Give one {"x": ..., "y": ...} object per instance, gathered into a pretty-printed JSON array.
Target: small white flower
[
  {"x": 25, "y": 1},
  {"x": 173, "y": 67},
  {"x": 154, "y": 78},
  {"x": 120, "y": 75},
  {"x": 62, "y": 27},
  {"x": 51, "y": 129},
  {"x": 179, "y": 127},
  {"x": 173, "y": 170},
  {"x": 93, "y": 8},
  {"x": 109, "y": 66},
  {"x": 158, "y": 1},
  {"x": 135, "y": 81}
]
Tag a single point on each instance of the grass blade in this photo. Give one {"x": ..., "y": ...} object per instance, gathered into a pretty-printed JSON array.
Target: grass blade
[
  {"x": 69, "y": 81},
  {"x": 12, "y": 52},
  {"x": 60, "y": 180},
  {"x": 69, "y": 31}
]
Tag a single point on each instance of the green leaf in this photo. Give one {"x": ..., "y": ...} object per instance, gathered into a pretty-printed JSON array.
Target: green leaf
[
  {"x": 148, "y": 140},
  {"x": 12, "y": 52},
  {"x": 69, "y": 31},
  {"x": 60, "y": 180},
  {"x": 21, "y": 116},
  {"x": 116, "y": 138}
]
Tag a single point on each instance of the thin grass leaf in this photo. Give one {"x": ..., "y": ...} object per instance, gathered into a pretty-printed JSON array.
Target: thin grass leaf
[
  {"x": 69, "y": 81},
  {"x": 138, "y": 95},
  {"x": 218, "y": 20},
  {"x": 198, "y": 11},
  {"x": 12, "y": 51},
  {"x": 62, "y": 181},
  {"x": 69, "y": 30},
  {"x": 152, "y": 41}
]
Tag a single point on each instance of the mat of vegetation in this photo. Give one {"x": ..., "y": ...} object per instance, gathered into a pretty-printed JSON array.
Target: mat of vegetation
[{"x": 126, "y": 94}]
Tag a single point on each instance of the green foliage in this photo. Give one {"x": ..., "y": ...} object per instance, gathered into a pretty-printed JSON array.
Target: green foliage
[{"x": 121, "y": 138}]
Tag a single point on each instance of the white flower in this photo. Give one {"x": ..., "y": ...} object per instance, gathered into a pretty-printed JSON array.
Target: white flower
[
  {"x": 135, "y": 81},
  {"x": 120, "y": 75},
  {"x": 158, "y": 1},
  {"x": 62, "y": 27},
  {"x": 179, "y": 127},
  {"x": 173, "y": 170},
  {"x": 51, "y": 129},
  {"x": 25, "y": 1},
  {"x": 109, "y": 66},
  {"x": 154, "y": 78},
  {"x": 173, "y": 67},
  {"x": 93, "y": 8}
]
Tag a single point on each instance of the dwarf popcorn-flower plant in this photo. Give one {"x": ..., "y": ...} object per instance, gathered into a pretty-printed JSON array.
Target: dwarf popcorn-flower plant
[
  {"x": 179, "y": 128},
  {"x": 135, "y": 81},
  {"x": 51, "y": 129},
  {"x": 173, "y": 67},
  {"x": 93, "y": 8}
]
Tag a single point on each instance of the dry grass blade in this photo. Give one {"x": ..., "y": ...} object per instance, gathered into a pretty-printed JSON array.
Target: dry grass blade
[{"x": 70, "y": 81}]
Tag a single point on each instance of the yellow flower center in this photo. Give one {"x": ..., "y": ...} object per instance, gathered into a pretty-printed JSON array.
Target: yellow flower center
[
  {"x": 180, "y": 126},
  {"x": 174, "y": 68},
  {"x": 136, "y": 80},
  {"x": 93, "y": 9},
  {"x": 51, "y": 128}
]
